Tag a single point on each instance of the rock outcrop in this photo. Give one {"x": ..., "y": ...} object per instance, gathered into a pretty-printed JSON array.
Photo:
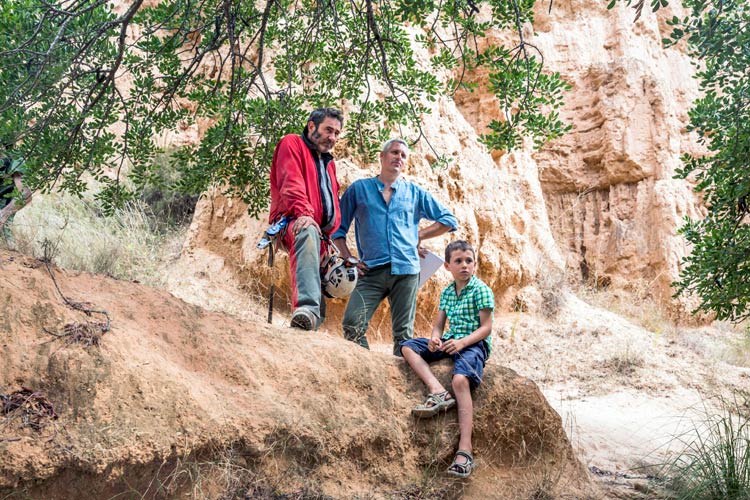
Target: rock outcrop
[
  {"x": 178, "y": 400},
  {"x": 609, "y": 185}
]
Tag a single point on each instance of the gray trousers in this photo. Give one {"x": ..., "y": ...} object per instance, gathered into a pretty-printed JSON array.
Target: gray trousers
[
  {"x": 377, "y": 284},
  {"x": 304, "y": 259}
]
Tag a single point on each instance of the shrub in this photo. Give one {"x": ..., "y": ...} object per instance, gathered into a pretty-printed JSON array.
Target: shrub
[
  {"x": 129, "y": 244},
  {"x": 715, "y": 462}
]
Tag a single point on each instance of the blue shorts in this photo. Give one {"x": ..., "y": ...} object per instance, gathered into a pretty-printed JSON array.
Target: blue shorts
[{"x": 469, "y": 362}]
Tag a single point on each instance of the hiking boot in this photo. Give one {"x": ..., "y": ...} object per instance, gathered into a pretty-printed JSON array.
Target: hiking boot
[{"x": 303, "y": 319}]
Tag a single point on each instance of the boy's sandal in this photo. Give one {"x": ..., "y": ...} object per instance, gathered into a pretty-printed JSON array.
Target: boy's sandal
[
  {"x": 440, "y": 401},
  {"x": 461, "y": 469}
]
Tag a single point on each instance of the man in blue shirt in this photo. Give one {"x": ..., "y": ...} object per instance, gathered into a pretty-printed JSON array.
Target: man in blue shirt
[{"x": 387, "y": 211}]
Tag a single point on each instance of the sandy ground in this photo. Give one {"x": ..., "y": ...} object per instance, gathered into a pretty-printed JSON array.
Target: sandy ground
[
  {"x": 623, "y": 431},
  {"x": 630, "y": 398}
]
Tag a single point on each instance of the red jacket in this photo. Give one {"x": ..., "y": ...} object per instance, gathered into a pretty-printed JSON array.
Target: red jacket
[{"x": 295, "y": 190}]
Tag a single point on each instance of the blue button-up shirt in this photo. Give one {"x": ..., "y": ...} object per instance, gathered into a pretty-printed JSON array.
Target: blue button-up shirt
[{"x": 389, "y": 233}]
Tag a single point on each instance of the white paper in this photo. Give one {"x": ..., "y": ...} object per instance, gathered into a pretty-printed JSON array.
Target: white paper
[{"x": 427, "y": 267}]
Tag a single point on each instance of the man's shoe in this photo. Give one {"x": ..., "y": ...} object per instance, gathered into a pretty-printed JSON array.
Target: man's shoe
[{"x": 303, "y": 319}]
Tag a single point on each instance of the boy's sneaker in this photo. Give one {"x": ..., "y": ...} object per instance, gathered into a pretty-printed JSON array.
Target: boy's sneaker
[{"x": 303, "y": 319}]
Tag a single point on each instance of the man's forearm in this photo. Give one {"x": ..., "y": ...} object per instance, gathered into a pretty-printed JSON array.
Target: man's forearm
[
  {"x": 433, "y": 230},
  {"x": 343, "y": 249}
]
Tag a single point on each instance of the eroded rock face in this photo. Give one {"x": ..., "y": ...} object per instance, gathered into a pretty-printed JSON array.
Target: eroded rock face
[
  {"x": 614, "y": 205},
  {"x": 600, "y": 203}
]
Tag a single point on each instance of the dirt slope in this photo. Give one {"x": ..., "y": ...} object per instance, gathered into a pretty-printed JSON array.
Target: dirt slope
[{"x": 178, "y": 401}]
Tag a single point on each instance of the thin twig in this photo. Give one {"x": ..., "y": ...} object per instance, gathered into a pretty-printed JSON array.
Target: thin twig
[{"x": 78, "y": 306}]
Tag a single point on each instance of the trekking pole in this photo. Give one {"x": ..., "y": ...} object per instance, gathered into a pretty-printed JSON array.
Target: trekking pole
[
  {"x": 273, "y": 283},
  {"x": 268, "y": 240}
]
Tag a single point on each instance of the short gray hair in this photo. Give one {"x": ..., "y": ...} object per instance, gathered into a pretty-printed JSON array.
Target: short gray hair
[{"x": 391, "y": 142}]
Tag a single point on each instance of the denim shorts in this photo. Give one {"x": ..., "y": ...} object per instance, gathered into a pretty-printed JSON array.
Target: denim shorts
[{"x": 469, "y": 362}]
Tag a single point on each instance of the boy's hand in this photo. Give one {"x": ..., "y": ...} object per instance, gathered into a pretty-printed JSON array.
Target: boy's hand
[
  {"x": 434, "y": 344},
  {"x": 453, "y": 346}
]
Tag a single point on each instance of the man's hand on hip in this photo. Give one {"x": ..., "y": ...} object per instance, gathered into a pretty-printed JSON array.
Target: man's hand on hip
[
  {"x": 303, "y": 223},
  {"x": 421, "y": 250}
]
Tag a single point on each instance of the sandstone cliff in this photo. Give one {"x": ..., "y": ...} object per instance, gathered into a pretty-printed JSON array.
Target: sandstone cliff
[
  {"x": 608, "y": 185},
  {"x": 598, "y": 205}
]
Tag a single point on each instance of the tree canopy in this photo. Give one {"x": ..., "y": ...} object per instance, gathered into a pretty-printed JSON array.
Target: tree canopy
[
  {"x": 717, "y": 35},
  {"x": 86, "y": 89},
  {"x": 718, "y": 269}
]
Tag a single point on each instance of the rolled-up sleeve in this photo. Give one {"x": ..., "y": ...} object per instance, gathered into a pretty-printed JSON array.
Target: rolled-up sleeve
[
  {"x": 433, "y": 210},
  {"x": 348, "y": 204}
]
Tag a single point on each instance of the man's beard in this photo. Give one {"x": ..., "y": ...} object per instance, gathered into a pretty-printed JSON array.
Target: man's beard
[{"x": 319, "y": 145}]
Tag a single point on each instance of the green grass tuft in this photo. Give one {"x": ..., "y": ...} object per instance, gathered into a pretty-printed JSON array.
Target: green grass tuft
[{"x": 715, "y": 462}]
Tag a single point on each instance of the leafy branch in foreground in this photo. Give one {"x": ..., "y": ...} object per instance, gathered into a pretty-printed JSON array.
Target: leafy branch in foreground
[
  {"x": 87, "y": 91},
  {"x": 717, "y": 34},
  {"x": 718, "y": 269}
]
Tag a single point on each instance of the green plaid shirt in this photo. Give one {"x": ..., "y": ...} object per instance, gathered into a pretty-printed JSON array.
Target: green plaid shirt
[{"x": 463, "y": 310}]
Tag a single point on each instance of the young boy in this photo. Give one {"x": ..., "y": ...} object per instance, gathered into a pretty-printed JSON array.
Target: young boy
[{"x": 467, "y": 304}]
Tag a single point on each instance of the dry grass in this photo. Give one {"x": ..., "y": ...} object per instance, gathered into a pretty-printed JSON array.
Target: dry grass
[
  {"x": 635, "y": 304},
  {"x": 130, "y": 244},
  {"x": 231, "y": 474},
  {"x": 737, "y": 351},
  {"x": 547, "y": 295},
  {"x": 227, "y": 474},
  {"x": 720, "y": 342},
  {"x": 626, "y": 362},
  {"x": 713, "y": 457},
  {"x": 552, "y": 286}
]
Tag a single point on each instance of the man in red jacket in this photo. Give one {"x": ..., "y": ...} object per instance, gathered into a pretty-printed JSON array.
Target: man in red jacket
[{"x": 304, "y": 189}]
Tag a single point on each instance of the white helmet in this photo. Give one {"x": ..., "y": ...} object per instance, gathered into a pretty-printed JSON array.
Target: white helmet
[{"x": 338, "y": 281}]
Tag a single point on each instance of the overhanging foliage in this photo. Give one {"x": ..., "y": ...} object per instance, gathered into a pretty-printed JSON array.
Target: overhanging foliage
[
  {"x": 718, "y": 269},
  {"x": 70, "y": 70}
]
